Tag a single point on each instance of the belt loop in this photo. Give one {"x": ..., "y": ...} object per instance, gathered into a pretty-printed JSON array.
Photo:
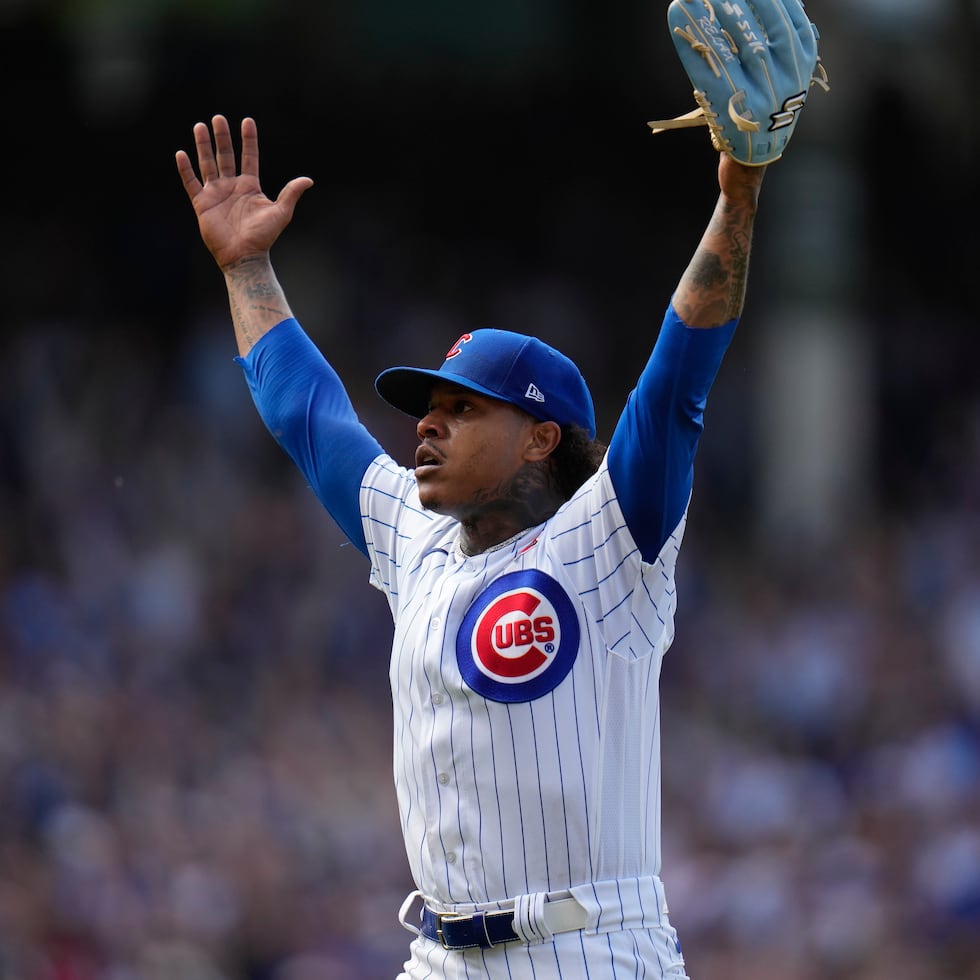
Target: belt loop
[
  {"x": 404, "y": 910},
  {"x": 529, "y": 921},
  {"x": 481, "y": 917}
]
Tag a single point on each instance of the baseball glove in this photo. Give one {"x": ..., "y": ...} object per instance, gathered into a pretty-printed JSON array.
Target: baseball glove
[{"x": 752, "y": 63}]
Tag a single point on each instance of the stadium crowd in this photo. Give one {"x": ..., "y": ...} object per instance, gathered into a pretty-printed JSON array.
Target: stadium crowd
[{"x": 194, "y": 720}]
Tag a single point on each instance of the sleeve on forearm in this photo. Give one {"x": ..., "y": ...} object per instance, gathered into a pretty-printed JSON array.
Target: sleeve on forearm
[
  {"x": 306, "y": 408},
  {"x": 651, "y": 453}
]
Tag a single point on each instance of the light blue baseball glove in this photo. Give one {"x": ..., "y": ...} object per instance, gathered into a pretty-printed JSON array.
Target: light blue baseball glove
[{"x": 752, "y": 63}]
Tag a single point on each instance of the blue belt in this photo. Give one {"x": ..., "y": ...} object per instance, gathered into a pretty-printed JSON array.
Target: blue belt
[
  {"x": 474, "y": 930},
  {"x": 541, "y": 916}
]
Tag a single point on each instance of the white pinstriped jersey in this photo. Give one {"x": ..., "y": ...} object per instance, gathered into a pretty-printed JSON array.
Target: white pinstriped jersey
[
  {"x": 562, "y": 785},
  {"x": 525, "y": 680}
]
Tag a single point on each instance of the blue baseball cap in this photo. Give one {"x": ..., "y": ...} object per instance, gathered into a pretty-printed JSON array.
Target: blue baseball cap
[{"x": 515, "y": 368}]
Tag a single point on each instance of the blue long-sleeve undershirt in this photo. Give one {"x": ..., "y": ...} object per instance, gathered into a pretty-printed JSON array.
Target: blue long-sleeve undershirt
[
  {"x": 651, "y": 452},
  {"x": 305, "y": 406}
]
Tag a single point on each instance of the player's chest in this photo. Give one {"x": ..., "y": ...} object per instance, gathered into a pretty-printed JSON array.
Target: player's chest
[{"x": 505, "y": 630}]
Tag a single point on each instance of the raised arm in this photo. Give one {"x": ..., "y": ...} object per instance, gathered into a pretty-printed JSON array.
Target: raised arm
[
  {"x": 651, "y": 453},
  {"x": 239, "y": 224},
  {"x": 712, "y": 289}
]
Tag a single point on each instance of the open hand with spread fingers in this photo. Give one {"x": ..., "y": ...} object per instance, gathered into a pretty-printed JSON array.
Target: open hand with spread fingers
[{"x": 236, "y": 219}]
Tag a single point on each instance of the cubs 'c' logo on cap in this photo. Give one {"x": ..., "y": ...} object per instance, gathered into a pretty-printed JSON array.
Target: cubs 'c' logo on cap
[
  {"x": 457, "y": 348},
  {"x": 519, "y": 638}
]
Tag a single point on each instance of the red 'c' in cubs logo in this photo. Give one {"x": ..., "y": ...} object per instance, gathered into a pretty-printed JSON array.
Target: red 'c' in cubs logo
[
  {"x": 519, "y": 638},
  {"x": 506, "y": 636},
  {"x": 457, "y": 348}
]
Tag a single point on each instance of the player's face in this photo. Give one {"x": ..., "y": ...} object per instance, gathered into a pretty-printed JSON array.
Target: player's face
[{"x": 471, "y": 449}]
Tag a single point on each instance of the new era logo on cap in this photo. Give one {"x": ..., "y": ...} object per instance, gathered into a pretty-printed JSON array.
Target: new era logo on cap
[{"x": 510, "y": 366}]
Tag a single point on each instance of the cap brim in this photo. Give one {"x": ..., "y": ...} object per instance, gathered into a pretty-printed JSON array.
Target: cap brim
[{"x": 410, "y": 389}]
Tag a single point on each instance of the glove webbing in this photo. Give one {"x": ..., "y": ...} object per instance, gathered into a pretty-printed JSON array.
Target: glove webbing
[{"x": 704, "y": 115}]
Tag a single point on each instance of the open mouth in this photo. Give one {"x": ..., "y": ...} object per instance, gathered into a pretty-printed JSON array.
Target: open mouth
[{"x": 426, "y": 459}]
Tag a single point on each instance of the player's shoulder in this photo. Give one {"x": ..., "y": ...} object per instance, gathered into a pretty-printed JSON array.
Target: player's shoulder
[
  {"x": 594, "y": 500},
  {"x": 388, "y": 482},
  {"x": 390, "y": 500}
]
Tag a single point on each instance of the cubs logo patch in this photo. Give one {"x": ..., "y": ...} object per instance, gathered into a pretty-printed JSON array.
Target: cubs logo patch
[{"x": 519, "y": 638}]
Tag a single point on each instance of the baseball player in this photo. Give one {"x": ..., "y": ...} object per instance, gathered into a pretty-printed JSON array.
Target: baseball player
[
  {"x": 530, "y": 576},
  {"x": 528, "y": 568}
]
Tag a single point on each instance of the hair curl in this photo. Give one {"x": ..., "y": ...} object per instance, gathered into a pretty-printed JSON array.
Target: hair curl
[{"x": 574, "y": 459}]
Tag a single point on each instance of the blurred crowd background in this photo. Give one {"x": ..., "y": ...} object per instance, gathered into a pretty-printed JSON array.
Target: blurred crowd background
[{"x": 195, "y": 776}]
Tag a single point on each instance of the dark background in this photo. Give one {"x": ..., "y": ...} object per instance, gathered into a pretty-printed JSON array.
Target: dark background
[{"x": 194, "y": 716}]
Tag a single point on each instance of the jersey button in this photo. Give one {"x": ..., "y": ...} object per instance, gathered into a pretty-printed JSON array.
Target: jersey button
[
  {"x": 435, "y": 623},
  {"x": 451, "y": 857},
  {"x": 437, "y": 698},
  {"x": 443, "y": 778}
]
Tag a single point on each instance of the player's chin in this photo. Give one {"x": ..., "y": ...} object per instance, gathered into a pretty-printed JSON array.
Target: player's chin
[{"x": 429, "y": 496}]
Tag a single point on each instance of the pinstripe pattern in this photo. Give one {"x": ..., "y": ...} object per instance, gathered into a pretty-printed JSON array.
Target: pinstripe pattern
[
  {"x": 500, "y": 799},
  {"x": 538, "y": 769}
]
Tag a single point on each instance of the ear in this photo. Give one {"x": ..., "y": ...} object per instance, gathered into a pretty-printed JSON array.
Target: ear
[{"x": 543, "y": 439}]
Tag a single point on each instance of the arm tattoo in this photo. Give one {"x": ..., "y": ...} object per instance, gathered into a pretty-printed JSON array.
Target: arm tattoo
[
  {"x": 715, "y": 281},
  {"x": 707, "y": 271},
  {"x": 741, "y": 243},
  {"x": 256, "y": 299}
]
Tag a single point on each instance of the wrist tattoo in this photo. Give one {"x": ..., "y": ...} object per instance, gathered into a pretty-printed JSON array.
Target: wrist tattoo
[{"x": 256, "y": 297}]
